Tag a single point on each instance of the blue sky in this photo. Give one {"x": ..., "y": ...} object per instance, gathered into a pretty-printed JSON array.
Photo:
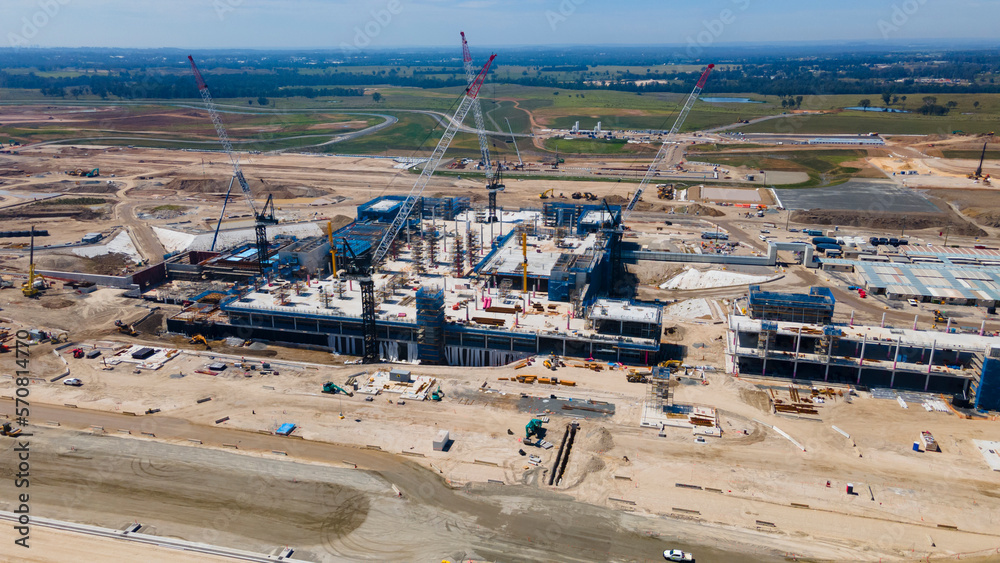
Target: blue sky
[{"x": 391, "y": 23}]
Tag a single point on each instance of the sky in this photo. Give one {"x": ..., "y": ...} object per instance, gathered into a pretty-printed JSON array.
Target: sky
[{"x": 342, "y": 24}]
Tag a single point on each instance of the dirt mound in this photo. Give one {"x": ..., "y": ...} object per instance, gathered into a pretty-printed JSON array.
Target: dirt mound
[
  {"x": 699, "y": 210},
  {"x": 889, "y": 221},
  {"x": 58, "y": 303},
  {"x": 220, "y": 185},
  {"x": 152, "y": 325},
  {"x": 597, "y": 440},
  {"x": 756, "y": 398}
]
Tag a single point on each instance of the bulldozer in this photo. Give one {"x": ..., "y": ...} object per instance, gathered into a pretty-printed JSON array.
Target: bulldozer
[
  {"x": 331, "y": 388},
  {"x": 199, "y": 339},
  {"x": 7, "y": 429},
  {"x": 665, "y": 191},
  {"x": 939, "y": 317},
  {"x": 126, "y": 328},
  {"x": 589, "y": 196},
  {"x": 632, "y": 376}
]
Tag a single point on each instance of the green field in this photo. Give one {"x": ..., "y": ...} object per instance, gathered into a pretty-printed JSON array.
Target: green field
[
  {"x": 970, "y": 154},
  {"x": 824, "y": 167}
]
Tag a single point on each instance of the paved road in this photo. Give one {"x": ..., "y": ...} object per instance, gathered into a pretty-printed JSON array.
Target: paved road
[{"x": 328, "y": 513}]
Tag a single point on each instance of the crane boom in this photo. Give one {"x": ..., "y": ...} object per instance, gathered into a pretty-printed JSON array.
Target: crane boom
[
  {"x": 513, "y": 140},
  {"x": 425, "y": 175},
  {"x": 220, "y": 129},
  {"x": 665, "y": 147},
  {"x": 477, "y": 110}
]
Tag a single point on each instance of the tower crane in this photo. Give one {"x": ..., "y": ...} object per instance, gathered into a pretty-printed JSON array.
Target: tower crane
[
  {"x": 493, "y": 183},
  {"x": 617, "y": 229},
  {"x": 265, "y": 216},
  {"x": 361, "y": 267}
]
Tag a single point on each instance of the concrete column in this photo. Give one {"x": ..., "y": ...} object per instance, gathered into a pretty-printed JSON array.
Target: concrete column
[
  {"x": 914, "y": 322},
  {"x": 883, "y": 321},
  {"x": 861, "y": 359},
  {"x": 798, "y": 340},
  {"x": 564, "y": 347},
  {"x": 895, "y": 358},
  {"x": 829, "y": 350}
]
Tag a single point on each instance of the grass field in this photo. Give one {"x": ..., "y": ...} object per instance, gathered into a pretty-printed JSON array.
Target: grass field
[
  {"x": 971, "y": 154},
  {"x": 825, "y": 167},
  {"x": 592, "y": 146}
]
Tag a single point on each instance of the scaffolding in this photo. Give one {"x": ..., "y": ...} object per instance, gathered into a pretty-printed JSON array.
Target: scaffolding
[
  {"x": 658, "y": 394},
  {"x": 814, "y": 308},
  {"x": 430, "y": 326},
  {"x": 828, "y": 342}
]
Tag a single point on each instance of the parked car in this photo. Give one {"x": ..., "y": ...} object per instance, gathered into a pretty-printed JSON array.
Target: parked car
[
  {"x": 912, "y": 302},
  {"x": 73, "y": 381}
]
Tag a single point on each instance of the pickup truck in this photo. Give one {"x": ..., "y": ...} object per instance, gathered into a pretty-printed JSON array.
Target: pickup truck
[{"x": 677, "y": 555}]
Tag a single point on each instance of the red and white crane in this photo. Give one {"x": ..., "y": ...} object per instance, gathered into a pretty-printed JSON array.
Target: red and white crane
[{"x": 265, "y": 216}]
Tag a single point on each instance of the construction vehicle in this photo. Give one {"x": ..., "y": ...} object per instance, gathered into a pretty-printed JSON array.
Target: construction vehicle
[
  {"x": 59, "y": 337},
  {"x": 939, "y": 317},
  {"x": 263, "y": 217},
  {"x": 7, "y": 429},
  {"x": 360, "y": 268},
  {"x": 126, "y": 329},
  {"x": 36, "y": 283},
  {"x": 665, "y": 191},
  {"x": 632, "y": 376},
  {"x": 93, "y": 173},
  {"x": 438, "y": 394},
  {"x": 77, "y": 353},
  {"x": 533, "y": 428},
  {"x": 199, "y": 339},
  {"x": 979, "y": 170},
  {"x": 589, "y": 196},
  {"x": 331, "y": 388},
  {"x": 546, "y": 193},
  {"x": 577, "y": 195}
]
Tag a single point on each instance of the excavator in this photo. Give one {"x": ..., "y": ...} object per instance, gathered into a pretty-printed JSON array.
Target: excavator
[
  {"x": 438, "y": 394},
  {"x": 331, "y": 388},
  {"x": 546, "y": 193},
  {"x": 126, "y": 328},
  {"x": 199, "y": 339},
  {"x": 939, "y": 317},
  {"x": 533, "y": 428}
]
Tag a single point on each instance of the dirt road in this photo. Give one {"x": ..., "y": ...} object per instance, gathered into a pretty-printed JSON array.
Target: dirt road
[{"x": 260, "y": 501}]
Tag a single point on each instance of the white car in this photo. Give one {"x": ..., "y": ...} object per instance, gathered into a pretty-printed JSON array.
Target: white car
[
  {"x": 912, "y": 302},
  {"x": 73, "y": 381},
  {"x": 677, "y": 555}
]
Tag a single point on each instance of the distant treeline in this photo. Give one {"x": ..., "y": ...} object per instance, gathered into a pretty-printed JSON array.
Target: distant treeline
[{"x": 163, "y": 74}]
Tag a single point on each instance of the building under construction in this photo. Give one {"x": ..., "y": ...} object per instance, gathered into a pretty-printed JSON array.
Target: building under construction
[
  {"x": 453, "y": 290},
  {"x": 868, "y": 356}
]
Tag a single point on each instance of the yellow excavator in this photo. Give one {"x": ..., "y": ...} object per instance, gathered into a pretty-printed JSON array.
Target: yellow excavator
[
  {"x": 546, "y": 194},
  {"x": 199, "y": 339}
]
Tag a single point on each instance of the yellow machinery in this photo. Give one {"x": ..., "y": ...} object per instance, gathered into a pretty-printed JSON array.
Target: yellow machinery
[
  {"x": 939, "y": 317},
  {"x": 126, "y": 328},
  {"x": 524, "y": 263},
  {"x": 546, "y": 194},
  {"x": 30, "y": 288},
  {"x": 199, "y": 339}
]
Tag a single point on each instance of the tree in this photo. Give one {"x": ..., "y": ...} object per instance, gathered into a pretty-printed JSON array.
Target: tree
[
  {"x": 865, "y": 103},
  {"x": 376, "y": 97},
  {"x": 895, "y": 99},
  {"x": 263, "y": 101},
  {"x": 951, "y": 104},
  {"x": 975, "y": 104},
  {"x": 886, "y": 97},
  {"x": 930, "y": 100},
  {"x": 798, "y": 101},
  {"x": 784, "y": 103},
  {"x": 249, "y": 102}
]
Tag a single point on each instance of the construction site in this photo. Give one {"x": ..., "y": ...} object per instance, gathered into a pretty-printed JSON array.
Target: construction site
[{"x": 462, "y": 356}]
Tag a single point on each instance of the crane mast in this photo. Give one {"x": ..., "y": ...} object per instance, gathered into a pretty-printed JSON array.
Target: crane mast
[
  {"x": 263, "y": 217},
  {"x": 360, "y": 268},
  {"x": 425, "y": 175},
  {"x": 665, "y": 146},
  {"x": 477, "y": 110}
]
